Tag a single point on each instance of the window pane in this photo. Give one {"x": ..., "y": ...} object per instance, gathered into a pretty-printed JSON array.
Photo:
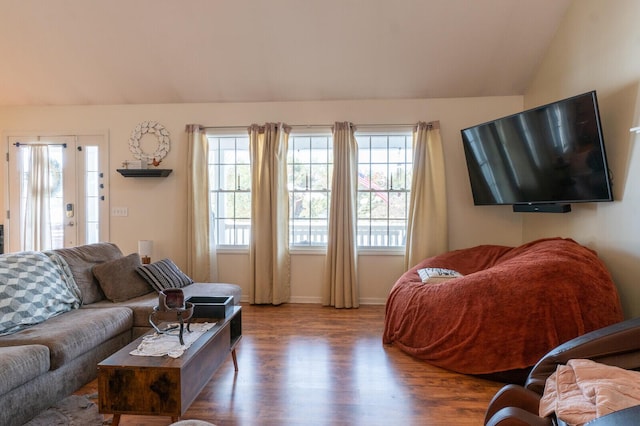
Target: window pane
[
  {"x": 319, "y": 177},
  {"x": 242, "y": 152},
  {"x": 321, "y": 150},
  {"x": 298, "y": 205},
  {"x": 302, "y": 150},
  {"x": 398, "y": 204},
  {"x": 228, "y": 176},
  {"x": 242, "y": 205},
  {"x": 364, "y": 205},
  {"x": 243, "y": 177},
  {"x": 300, "y": 177},
  {"x": 379, "y": 206},
  {"x": 56, "y": 202},
  {"x": 299, "y": 232},
  {"x": 364, "y": 154},
  {"x": 397, "y": 232},
  {"x": 319, "y": 205},
  {"x": 379, "y": 177}
]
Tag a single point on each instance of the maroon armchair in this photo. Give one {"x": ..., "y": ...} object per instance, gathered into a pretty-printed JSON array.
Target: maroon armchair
[{"x": 617, "y": 345}]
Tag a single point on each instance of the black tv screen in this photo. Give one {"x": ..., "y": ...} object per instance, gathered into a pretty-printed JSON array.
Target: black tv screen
[{"x": 552, "y": 154}]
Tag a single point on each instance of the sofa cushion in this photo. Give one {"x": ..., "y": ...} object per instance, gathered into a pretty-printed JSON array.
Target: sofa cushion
[
  {"x": 33, "y": 288},
  {"x": 73, "y": 333},
  {"x": 119, "y": 280},
  {"x": 164, "y": 274},
  {"x": 82, "y": 259},
  {"x": 20, "y": 364},
  {"x": 143, "y": 306}
]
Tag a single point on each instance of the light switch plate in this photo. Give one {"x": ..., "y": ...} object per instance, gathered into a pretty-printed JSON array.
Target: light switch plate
[{"x": 119, "y": 211}]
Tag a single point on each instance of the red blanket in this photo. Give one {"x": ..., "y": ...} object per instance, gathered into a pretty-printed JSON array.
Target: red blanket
[{"x": 512, "y": 306}]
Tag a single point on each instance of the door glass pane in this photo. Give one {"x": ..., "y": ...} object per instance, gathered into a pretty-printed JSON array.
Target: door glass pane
[
  {"x": 92, "y": 194},
  {"x": 56, "y": 219},
  {"x": 57, "y": 195}
]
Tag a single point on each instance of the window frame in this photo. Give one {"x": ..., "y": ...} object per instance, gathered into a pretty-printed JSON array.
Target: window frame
[
  {"x": 388, "y": 131},
  {"x": 319, "y": 132},
  {"x": 212, "y": 166}
]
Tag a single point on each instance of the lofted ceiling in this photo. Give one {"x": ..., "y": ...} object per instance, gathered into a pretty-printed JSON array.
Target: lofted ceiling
[{"x": 79, "y": 52}]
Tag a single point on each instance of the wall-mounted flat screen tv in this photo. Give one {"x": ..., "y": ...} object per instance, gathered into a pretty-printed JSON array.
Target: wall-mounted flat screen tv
[{"x": 552, "y": 154}]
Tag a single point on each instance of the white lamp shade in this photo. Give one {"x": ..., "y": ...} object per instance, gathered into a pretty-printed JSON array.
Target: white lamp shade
[{"x": 145, "y": 247}]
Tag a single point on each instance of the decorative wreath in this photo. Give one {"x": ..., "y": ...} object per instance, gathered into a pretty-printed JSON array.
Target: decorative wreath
[{"x": 152, "y": 127}]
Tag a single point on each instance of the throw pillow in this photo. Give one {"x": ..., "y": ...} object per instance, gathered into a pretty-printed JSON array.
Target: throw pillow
[
  {"x": 119, "y": 280},
  {"x": 434, "y": 275},
  {"x": 81, "y": 260},
  {"x": 164, "y": 274},
  {"x": 33, "y": 288}
]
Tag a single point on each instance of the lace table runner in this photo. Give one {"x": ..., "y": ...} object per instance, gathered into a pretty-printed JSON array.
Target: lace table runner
[{"x": 169, "y": 343}]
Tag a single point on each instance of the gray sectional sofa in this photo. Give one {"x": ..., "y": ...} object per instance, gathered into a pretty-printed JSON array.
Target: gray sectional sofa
[{"x": 103, "y": 307}]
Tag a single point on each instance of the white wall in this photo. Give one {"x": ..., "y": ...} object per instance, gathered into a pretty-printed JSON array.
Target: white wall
[
  {"x": 156, "y": 205},
  {"x": 596, "y": 48}
]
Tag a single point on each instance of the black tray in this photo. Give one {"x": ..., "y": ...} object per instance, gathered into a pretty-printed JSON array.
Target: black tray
[{"x": 211, "y": 306}]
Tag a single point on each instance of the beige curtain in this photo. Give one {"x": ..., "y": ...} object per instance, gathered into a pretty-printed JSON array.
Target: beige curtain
[
  {"x": 269, "y": 245},
  {"x": 201, "y": 254},
  {"x": 427, "y": 220},
  {"x": 36, "y": 228},
  {"x": 340, "y": 287}
]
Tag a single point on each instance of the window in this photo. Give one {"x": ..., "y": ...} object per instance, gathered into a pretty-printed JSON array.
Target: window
[
  {"x": 310, "y": 166},
  {"x": 230, "y": 189},
  {"x": 384, "y": 183},
  {"x": 92, "y": 178}
]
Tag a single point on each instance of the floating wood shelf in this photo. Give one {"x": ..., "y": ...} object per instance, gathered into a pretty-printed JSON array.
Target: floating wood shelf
[{"x": 144, "y": 172}]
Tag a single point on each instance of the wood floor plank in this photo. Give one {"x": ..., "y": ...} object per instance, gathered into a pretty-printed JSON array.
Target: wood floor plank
[{"x": 303, "y": 364}]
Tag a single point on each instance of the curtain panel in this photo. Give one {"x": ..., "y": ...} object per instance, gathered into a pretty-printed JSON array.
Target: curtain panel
[
  {"x": 427, "y": 233},
  {"x": 36, "y": 228},
  {"x": 269, "y": 244},
  {"x": 340, "y": 288},
  {"x": 201, "y": 248}
]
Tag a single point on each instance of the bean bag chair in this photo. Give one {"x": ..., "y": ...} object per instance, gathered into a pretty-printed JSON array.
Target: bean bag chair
[{"x": 509, "y": 307}]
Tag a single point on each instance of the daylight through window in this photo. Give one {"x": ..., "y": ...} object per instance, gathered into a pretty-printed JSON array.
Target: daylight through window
[
  {"x": 230, "y": 189},
  {"x": 384, "y": 181}
]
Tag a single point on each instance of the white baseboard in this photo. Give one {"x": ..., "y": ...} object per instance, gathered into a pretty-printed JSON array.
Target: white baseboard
[{"x": 318, "y": 300}]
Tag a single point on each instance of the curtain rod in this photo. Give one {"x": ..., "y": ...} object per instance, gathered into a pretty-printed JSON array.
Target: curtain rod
[
  {"x": 17, "y": 144},
  {"x": 312, "y": 126}
]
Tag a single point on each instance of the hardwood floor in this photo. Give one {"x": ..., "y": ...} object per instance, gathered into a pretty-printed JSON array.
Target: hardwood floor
[{"x": 302, "y": 364}]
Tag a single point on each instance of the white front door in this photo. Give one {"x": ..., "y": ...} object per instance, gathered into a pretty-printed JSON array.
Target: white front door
[{"x": 57, "y": 191}]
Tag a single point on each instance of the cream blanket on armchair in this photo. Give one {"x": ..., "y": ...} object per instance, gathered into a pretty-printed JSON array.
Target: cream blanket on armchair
[{"x": 583, "y": 390}]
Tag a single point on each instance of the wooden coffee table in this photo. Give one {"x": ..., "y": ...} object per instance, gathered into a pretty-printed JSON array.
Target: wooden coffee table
[{"x": 165, "y": 386}]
